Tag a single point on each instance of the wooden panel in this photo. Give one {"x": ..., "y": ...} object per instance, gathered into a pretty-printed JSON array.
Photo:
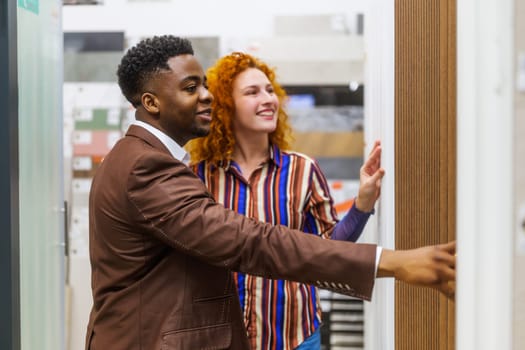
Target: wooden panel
[{"x": 425, "y": 148}]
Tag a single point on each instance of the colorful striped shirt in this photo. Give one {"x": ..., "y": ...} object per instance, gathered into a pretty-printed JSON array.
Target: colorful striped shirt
[{"x": 289, "y": 189}]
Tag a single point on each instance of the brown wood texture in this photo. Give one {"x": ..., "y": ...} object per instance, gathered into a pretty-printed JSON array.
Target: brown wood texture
[{"x": 425, "y": 160}]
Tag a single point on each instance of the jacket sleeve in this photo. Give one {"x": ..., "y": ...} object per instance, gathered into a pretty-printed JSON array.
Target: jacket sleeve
[{"x": 174, "y": 206}]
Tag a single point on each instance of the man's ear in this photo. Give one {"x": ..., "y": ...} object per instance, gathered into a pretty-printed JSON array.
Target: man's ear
[{"x": 150, "y": 103}]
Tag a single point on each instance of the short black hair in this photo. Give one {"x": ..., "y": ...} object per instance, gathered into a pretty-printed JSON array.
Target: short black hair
[{"x": 145, "y": 59}]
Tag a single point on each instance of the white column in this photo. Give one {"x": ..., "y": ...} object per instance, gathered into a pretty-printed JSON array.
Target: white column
[
  {"x": 379, "y": 124},
  {"x": 484, "y": 174}
]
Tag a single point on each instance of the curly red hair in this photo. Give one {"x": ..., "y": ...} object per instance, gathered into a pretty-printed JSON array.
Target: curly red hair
[{"x": 219, "y": 144}]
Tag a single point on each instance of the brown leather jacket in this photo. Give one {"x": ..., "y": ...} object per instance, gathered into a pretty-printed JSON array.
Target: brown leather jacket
[{"x": 162, "y": 251}]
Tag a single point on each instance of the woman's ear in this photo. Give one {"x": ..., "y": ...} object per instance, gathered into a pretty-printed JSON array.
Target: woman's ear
[{"x": 150, "y": 102}]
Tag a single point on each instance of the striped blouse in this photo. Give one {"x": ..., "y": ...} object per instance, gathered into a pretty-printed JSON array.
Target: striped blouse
[{"x": 289, "y": 189}]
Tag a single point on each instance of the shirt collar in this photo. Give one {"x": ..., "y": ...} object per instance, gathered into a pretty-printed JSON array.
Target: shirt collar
[
  {"x": 275, "y": 156},
  {"x": 175, "y": 149}
]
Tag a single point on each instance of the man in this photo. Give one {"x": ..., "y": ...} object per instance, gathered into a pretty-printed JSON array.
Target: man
[{"x": 162, "y": 250}]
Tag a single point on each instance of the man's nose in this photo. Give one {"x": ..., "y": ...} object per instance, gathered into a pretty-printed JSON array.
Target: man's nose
[{"x": 205, "y": 95}]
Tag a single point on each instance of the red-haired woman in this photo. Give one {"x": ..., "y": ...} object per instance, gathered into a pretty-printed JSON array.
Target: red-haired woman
[{"x": 246, "y": 164}]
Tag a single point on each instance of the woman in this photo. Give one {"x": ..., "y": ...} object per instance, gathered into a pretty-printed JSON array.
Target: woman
[{"x": 246, "y": 165}]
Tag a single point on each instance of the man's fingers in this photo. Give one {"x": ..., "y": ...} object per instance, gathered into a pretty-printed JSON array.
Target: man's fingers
[
  {"x": 448, "y": 247},
  {"x": 445, "y": 257},
  {"x": 448, "y": 288},
  {"x": 447, "y": 273}
]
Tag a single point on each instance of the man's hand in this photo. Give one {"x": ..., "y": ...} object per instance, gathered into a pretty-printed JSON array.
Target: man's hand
[
  {"x": 429, "y": 266},
  {"x": 370, "y": 176}
]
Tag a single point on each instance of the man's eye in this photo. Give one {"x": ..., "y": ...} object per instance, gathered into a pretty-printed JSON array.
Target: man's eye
[{"x": 191, "y": 88}]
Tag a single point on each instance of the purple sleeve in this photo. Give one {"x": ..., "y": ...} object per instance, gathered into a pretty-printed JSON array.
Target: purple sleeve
[{"x": 352, "y": 225}]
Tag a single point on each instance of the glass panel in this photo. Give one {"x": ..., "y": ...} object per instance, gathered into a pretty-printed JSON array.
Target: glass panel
[{"x": 41, "y": 190}]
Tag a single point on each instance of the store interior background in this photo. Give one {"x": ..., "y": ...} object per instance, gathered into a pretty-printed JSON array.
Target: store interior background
[
  {"x": 490, "y": 142},
  {"x": 318, "y": 51}
]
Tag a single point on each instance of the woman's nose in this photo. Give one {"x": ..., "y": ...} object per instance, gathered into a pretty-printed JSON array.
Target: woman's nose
[{"x": 268, "y": 96}]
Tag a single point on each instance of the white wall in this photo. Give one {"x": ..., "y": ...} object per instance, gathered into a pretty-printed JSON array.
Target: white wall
[
  {"x": 331, "y": 53},
  {"x": 197, "y": 18}
]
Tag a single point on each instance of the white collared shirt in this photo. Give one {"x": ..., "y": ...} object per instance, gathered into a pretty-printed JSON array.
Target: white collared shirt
[{"x": 175, "y": 149}]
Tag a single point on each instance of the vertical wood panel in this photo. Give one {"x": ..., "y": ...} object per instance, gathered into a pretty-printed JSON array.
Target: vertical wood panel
[{"x": 425, "y": 148}]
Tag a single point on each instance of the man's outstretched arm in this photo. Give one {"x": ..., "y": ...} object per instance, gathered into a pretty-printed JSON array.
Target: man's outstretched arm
[{"x": 428, "y": 266}]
